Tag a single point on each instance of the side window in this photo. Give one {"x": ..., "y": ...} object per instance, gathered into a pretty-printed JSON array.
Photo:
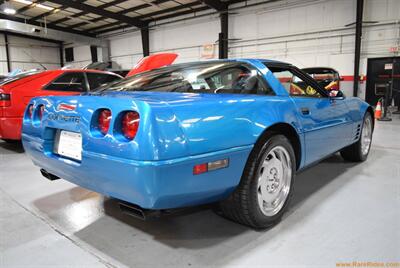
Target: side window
[
  {"x": 97, "y": 80},
  {"x": 293, "y": 84},
  {"x": 68, "y": 82},
  {"x": 238, "y": 79}
]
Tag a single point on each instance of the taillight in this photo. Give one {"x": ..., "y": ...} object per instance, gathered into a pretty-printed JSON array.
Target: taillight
[
  {"x": 199, "y": 169},
  {"x": 104, "y": 121},
  {"x": 5, "y": 100},
  {"x": 30, "y": 111},
  {"x": 130, "y": 124},
  {"x": 40, "y": 112}
]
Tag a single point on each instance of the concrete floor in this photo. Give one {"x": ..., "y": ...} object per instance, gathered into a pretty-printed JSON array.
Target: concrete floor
[{"x": 341, "y": 212}]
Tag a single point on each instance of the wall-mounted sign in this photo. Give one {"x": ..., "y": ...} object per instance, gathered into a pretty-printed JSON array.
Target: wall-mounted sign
[
  {"x": 388, "y": 66},
  {"x": 207, "y": 51}
]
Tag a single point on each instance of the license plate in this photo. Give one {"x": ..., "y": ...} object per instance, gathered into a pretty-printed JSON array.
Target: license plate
[{"x": 69, "y": 144}]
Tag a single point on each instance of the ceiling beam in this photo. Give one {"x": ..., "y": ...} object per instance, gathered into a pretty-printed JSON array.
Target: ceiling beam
[
  {"x": 116, "y": 2},
  {"x": 136, "y": 8},
  {"x": 216, "y": 4},
  {"x": 50, "y": 12},
  {"x": 102, "y": 12},
  {"x": 122, "y": 12},
  {"x": 113, "y": 3},
  {"x": 177, "y": 14},
  {"x": 42, "y": 15},
  {"x": 149, "y": 15},
  {"x": 54, "y": 27},
  {"x": 119, "y": 27},
  {"x": 169, "y": 10},
  {"x": 169, "y": 16}
]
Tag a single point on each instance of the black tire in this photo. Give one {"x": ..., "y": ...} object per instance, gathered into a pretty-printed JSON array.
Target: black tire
[
  {"x": 354, "y": 152},
  {"x": 242, "y": 205}
]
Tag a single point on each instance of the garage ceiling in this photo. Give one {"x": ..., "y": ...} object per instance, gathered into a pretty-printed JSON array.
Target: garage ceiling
[{"x": 94, "y": 17}]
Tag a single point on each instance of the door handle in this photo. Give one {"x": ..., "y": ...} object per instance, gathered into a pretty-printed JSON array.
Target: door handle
[{"x": 305, "y": 111}]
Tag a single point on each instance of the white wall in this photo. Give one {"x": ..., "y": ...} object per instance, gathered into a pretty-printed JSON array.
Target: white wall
[
  {"x": 303, "y": 32},
  {"x": 3, "y": 56},
  {"x": 186, "y": 39},
  {"x": 83, "y": 56},
  {"x": 25, "y": 53},
  {"x": 313, "y": 33}
]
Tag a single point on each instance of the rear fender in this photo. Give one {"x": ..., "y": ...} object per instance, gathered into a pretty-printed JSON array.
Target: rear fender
[{"x": 232, "y": 120}]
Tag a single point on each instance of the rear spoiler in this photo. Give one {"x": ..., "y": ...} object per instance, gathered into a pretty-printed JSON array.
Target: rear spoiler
[{"x": 152, "y": 62}]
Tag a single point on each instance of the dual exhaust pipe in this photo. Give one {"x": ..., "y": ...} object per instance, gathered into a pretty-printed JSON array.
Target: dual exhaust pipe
[
  {"x": 48, "y": 175},
  {"x": 135, "y": 211}
]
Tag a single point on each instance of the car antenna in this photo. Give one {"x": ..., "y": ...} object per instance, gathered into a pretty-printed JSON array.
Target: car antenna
[{"x": 34, "y": 60}]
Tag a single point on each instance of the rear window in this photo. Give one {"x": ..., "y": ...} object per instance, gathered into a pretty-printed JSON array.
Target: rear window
[
  {"x": 210, "y": 77},
  {"x": 14, "y": 78}
]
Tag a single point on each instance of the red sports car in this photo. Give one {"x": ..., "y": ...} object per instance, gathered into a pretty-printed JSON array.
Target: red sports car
[{"x": 16, "y": 92}]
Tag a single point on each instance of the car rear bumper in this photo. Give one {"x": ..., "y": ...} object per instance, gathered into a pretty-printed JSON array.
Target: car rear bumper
[
  {"x": 10, "y": 128},
  {"x": 148, "y": 184}
]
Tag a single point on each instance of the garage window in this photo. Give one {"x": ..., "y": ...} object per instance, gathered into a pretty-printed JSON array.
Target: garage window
[{"x": 69, "y": 54}]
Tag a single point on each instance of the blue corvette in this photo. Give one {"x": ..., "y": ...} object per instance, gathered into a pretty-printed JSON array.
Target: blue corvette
[{"x": 228, "y": 131}]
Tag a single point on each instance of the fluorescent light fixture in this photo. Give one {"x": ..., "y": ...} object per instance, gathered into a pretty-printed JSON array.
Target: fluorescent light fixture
[
  {"x": 10, "y": 11},
  {"x": 8, "y": 8},
  {"x": 26, "y": 2},
  {"x": 44, "y": 7}
]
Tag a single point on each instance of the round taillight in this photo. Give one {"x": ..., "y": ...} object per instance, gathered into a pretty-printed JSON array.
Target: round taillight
[
  {"x": 130, "y": 124},
  {"x": 104, "y": 121},
  {"x": 41, "y": 112}
]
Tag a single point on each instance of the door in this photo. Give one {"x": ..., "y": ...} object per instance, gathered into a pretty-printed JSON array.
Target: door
[
  {"x": 325, "y": 120},
  {"x": 326, "y": 125},
  {"x": 383, "y": 74}
]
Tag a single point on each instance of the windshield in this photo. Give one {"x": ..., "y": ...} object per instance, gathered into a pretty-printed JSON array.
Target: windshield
[
  {"x": 326, "y": 77},
  {"x": 322, "y": 74},
  {"x": 19, "y": 76},
  {"x": 203, "y": 77}
]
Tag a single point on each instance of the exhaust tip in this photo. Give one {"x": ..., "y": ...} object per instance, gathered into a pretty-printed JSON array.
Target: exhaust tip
[
  {"x": 48, "y": 175},
  {"x": 132, "y": 210}
]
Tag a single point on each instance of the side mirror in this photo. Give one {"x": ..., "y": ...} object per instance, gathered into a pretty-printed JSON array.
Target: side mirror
[
  {"x": 336, "y": 94},
  {"x": 340, "y": 94}
]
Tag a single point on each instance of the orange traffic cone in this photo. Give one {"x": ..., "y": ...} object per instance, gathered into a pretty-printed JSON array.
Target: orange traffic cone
[{"x": 378, "y": 110}]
